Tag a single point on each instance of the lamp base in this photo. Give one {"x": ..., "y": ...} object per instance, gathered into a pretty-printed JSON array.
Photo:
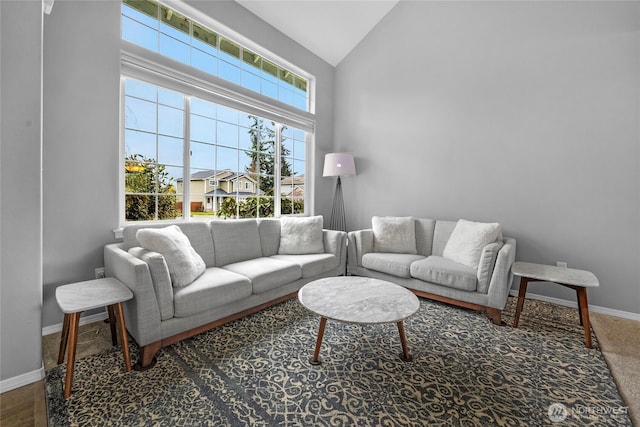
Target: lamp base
[{"x": 338, "y": 221}]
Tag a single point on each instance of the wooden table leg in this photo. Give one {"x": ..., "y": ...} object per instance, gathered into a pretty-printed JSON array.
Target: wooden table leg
[
  {"x": 64, "y": 338},
  {"x": 123, "y": 335},
  {"x": 315, "y": 360},
  {"x": 406, "y": 356},
  {"x": 584, "y": 315},
  {"x": 112, "y": 325},
  {"x": 74, "y": 320},
  {"x": 524, "y": 281}
]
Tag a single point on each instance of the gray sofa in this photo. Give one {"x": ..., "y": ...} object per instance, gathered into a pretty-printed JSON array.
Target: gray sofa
[
  {"x": 244, "y": 274},
  {"x": 431, "y": 275}
]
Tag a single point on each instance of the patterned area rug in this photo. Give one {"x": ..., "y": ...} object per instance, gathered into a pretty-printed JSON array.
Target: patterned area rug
[{"x": 255, "y": 371}]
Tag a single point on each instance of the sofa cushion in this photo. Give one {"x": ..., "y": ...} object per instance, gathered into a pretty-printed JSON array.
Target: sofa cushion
[
  {"x": 311, "y": 264},
  {"x": 197, "y": 232},
  {"x": 216, "y": 287},
  {"x": 301, "y": 235},
  {"x": 160, "y": 278},
  {"x": 394, "y": 234},
  {"x": 445, "y": 272},
  {"x": 184, "y": 263},
  {"x": 266, "y": 273},
  {"x": 468, "y": 240},
  {"x": 486, "y": 264},
  {"x": 390, "y": 263},
  {"x": 235, "y": 240},
  {"x": 269, "y": 229}
]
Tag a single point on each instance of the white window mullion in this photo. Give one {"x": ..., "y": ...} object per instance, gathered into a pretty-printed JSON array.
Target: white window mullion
[
  {"x": 186, "y": 162},
  {"x": 277, "y": 166}
]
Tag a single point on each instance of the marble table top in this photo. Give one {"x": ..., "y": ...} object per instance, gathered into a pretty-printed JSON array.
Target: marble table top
[
  {"x": 355, "y": 299},
  {"x": 549, "y": 273},
  {"x": 83, "y": 296}
]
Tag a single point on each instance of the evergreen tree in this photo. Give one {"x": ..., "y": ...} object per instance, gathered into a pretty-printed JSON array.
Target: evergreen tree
[{"x": 262, "y": 153}]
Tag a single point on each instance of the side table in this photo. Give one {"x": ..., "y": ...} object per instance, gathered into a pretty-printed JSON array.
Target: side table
[
  {"x": 578, "y": 280},
  {"x": 75, "y": 298}
]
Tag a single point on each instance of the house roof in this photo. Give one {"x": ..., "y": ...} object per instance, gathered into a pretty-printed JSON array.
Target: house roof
[
  {"x": 293, "y": 180},
  {"x": 221, "y": 192},
  {"x": 214, "y": 174}
]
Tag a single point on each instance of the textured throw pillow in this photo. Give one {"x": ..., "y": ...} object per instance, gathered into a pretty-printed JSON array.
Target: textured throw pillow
[
  {"x": 301, "y": 235},
  {"x": 394, "y": 234},
  {"x": 468, "y": 239},
  {"x": 184, "y": 263}
]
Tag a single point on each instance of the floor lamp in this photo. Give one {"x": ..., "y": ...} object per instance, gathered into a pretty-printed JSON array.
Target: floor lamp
[{"x": 338, "y": 164}]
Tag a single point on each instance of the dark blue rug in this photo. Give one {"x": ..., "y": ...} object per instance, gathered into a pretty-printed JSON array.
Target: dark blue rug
[{"x": 465, "y": 371}]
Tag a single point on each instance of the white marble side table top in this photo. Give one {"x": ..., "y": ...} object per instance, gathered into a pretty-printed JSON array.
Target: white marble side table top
[
  {"x": 550, "y": 273},
  {"x": 355, "y": 299},
  {"x": 578, "y": 280},
  {"x": 83, "y": 296}
]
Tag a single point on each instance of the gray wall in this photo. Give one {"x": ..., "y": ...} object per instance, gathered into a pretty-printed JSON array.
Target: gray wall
[
  {"x": 525, "y": 113},
  {"x": 81, "y": 105},
  {"x": 21, "y": 191}
]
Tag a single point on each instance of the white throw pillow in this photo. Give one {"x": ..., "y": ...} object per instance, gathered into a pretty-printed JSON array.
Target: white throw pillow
[
  {"x": 301, "y": 235},
  {"x": 394, "y": 234},
  {"x": 184, "y": 263},
  {"x": 468, "y": 239}
]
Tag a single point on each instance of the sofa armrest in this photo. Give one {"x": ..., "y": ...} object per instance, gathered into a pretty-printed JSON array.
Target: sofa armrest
[
  {"x": 142, "y": 312},
  {"x": 360, "y": 242},
  {"x": 502, "y": 276},
  {"x": 335, "y": 243}
]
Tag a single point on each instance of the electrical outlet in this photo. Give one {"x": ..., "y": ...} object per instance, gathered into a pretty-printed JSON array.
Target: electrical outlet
[
  {"x": 561, "y": 264},
  {"x": 100, "y": 273}
]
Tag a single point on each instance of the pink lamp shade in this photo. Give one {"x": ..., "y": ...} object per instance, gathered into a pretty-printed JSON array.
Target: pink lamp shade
[{"x": 339, "y": 164}]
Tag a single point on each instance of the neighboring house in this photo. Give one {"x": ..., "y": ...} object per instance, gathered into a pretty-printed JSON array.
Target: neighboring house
[
  {"x": 210, "y": 187},
  {"x": 293, "y": 187}
]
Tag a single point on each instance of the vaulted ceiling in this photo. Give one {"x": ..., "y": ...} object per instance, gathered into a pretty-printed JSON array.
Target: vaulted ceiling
[{"x": 328, "y": 28}]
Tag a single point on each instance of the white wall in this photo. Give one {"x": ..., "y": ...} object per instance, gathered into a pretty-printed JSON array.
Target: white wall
[
  {"x": 526, "y": 113},
  {"x": 21, "y": 192},
  {"x": 81, "y": 130}
]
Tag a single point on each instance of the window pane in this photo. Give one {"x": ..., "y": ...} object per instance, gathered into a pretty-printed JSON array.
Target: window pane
[
  {"x": 228, "y": 114},
  {"x": 140, "y": 34},
  {"x": 227, "y": 134},
  {"x": 142, "y": 90},
  {"x": 170, "y": 121},
  {"x": 229, "y": 72},
  {"x": 143, "y": 143},
  {"x": 203, "y": 129},
  {"x": 203, "y": 156},
  {"x": 204, "y": 61},
  {"x": 170, "y": 150},
  {"x": 203, "y": 108},
  {"x": 175, "y": 49},
  {"x": 227, "y": 158},
  {"x": 204, "y": 39},
  {"x": 140, "y": 114},
  {"x": 251, "y": 81}
]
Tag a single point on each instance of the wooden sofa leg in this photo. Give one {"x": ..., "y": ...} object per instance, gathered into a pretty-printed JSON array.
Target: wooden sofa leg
[
  {"x": 495, "y": 315},
  {"x": 147, "y": 358}
]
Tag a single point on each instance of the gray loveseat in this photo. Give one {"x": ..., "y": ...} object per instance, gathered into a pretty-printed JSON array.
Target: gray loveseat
[
  {"x": 244, "y": 273},
  {"x": 425, "y": 270}
]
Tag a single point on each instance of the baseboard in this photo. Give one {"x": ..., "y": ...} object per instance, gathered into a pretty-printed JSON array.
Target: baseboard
[
  {"x": 574, "y": 304},
  {"x": 48, "y": 330},
  {"x": 22, "y": 380}
]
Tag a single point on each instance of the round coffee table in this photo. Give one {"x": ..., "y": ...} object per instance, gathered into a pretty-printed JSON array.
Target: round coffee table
[{"x": 355, "y": 299}]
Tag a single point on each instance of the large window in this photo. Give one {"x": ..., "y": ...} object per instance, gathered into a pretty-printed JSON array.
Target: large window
[
  {"x": 162, "y": 29},
  {"x": 240, "y": 165},
  {"x": 194, "y": 149}
]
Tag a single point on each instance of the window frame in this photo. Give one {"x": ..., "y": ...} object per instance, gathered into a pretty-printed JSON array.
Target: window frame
[{"x": 156, "y": 69}]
